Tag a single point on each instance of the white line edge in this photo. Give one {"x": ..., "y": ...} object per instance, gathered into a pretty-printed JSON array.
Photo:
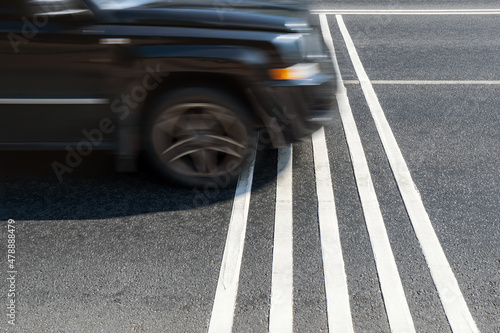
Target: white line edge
[
  {"x": 221, "y": 320},
  {"x": 428, "y": 82},
  {"x": 337, "y": 295},
  {"x": 454, "y": 304},
  {"x": 398, "y": 312},
  {"x": 281, "y": 311},
  {"x": 407, "y": 11}
]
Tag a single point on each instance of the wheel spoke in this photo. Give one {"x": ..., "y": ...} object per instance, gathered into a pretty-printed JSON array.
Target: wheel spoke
[
  {"x": 205, "y": 161},
  {"x": 200, "y": 143},
  {"x": 227, "y": 140},
  {"x": 178, "y": 144}
]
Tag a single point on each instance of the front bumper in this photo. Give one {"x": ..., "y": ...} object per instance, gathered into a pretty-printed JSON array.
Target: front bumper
[{"x": 292, "y": 110}]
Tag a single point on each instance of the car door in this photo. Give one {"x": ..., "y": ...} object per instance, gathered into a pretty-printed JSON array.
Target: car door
[{"x": 53, "y": 77}]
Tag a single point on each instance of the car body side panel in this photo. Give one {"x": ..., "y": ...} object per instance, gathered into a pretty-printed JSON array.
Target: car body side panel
[{"x": 53, "y": 84}]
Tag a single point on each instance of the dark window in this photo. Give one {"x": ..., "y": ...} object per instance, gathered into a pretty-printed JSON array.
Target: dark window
[{"x": 11, "y": 9}]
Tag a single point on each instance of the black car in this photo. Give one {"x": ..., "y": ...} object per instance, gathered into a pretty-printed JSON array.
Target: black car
[{"x": 188, "y": 82}]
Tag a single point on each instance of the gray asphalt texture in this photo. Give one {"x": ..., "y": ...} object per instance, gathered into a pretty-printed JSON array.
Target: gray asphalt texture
[{"x": 107, "y": 252}]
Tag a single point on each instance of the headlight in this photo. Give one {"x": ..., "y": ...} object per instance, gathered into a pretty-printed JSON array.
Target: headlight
[
  {"x": 295, "y": 72},
  {"x": 291, "y": 47},
  {"x": 298, "y": 48}
]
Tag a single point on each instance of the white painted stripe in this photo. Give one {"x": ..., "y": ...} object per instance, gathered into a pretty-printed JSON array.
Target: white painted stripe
[
  {"x": 407, "y": 11},
  {"x": 53, "y": 101},
  {"x": 398, "y": 312},
  {"x": 454, "y": 304},
  {"x": 281, "y": 313},
  {"x": 221, "y": 320},
  {"x": 429, "y": 82},
  {"x": 337, "y": 296}
]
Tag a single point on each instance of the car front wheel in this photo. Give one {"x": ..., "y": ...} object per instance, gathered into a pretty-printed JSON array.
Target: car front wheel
[{"x": 198, "y": 137}]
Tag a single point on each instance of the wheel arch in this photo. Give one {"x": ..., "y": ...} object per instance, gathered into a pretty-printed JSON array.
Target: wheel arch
[{"x": 224, "y": 82}]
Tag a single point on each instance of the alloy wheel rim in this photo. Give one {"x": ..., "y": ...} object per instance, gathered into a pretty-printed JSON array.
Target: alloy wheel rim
[{"x": 200, "y": 139}]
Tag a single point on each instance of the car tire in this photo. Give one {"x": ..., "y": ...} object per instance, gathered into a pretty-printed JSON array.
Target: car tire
[{"x": 199, "y": 137}]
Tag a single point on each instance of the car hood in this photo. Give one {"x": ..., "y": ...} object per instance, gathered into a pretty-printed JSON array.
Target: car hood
[{"x": 243, "y": 15}]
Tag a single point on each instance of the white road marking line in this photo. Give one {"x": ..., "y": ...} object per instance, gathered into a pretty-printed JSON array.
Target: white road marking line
[
  {"x": 398, "y": 312},
  {"x": 281, "y": 313},
  {"x": 491, "y": 11},
  {"x": 454, "y": 304},
  {"x": 429, "y": 82},
  {"x": 337, "y": 295},
  {"x": 221, "y": 320}
]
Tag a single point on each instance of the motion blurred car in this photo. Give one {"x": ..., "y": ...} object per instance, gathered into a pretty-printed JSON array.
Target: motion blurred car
[{"x": 188, "y": 82}]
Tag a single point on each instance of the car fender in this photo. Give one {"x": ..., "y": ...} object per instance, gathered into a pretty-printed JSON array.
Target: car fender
[{"x": 235, "y": 60}]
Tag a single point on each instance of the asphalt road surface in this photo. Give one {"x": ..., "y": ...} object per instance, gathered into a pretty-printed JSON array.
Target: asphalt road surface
[{"x": 386, "y": 220}]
